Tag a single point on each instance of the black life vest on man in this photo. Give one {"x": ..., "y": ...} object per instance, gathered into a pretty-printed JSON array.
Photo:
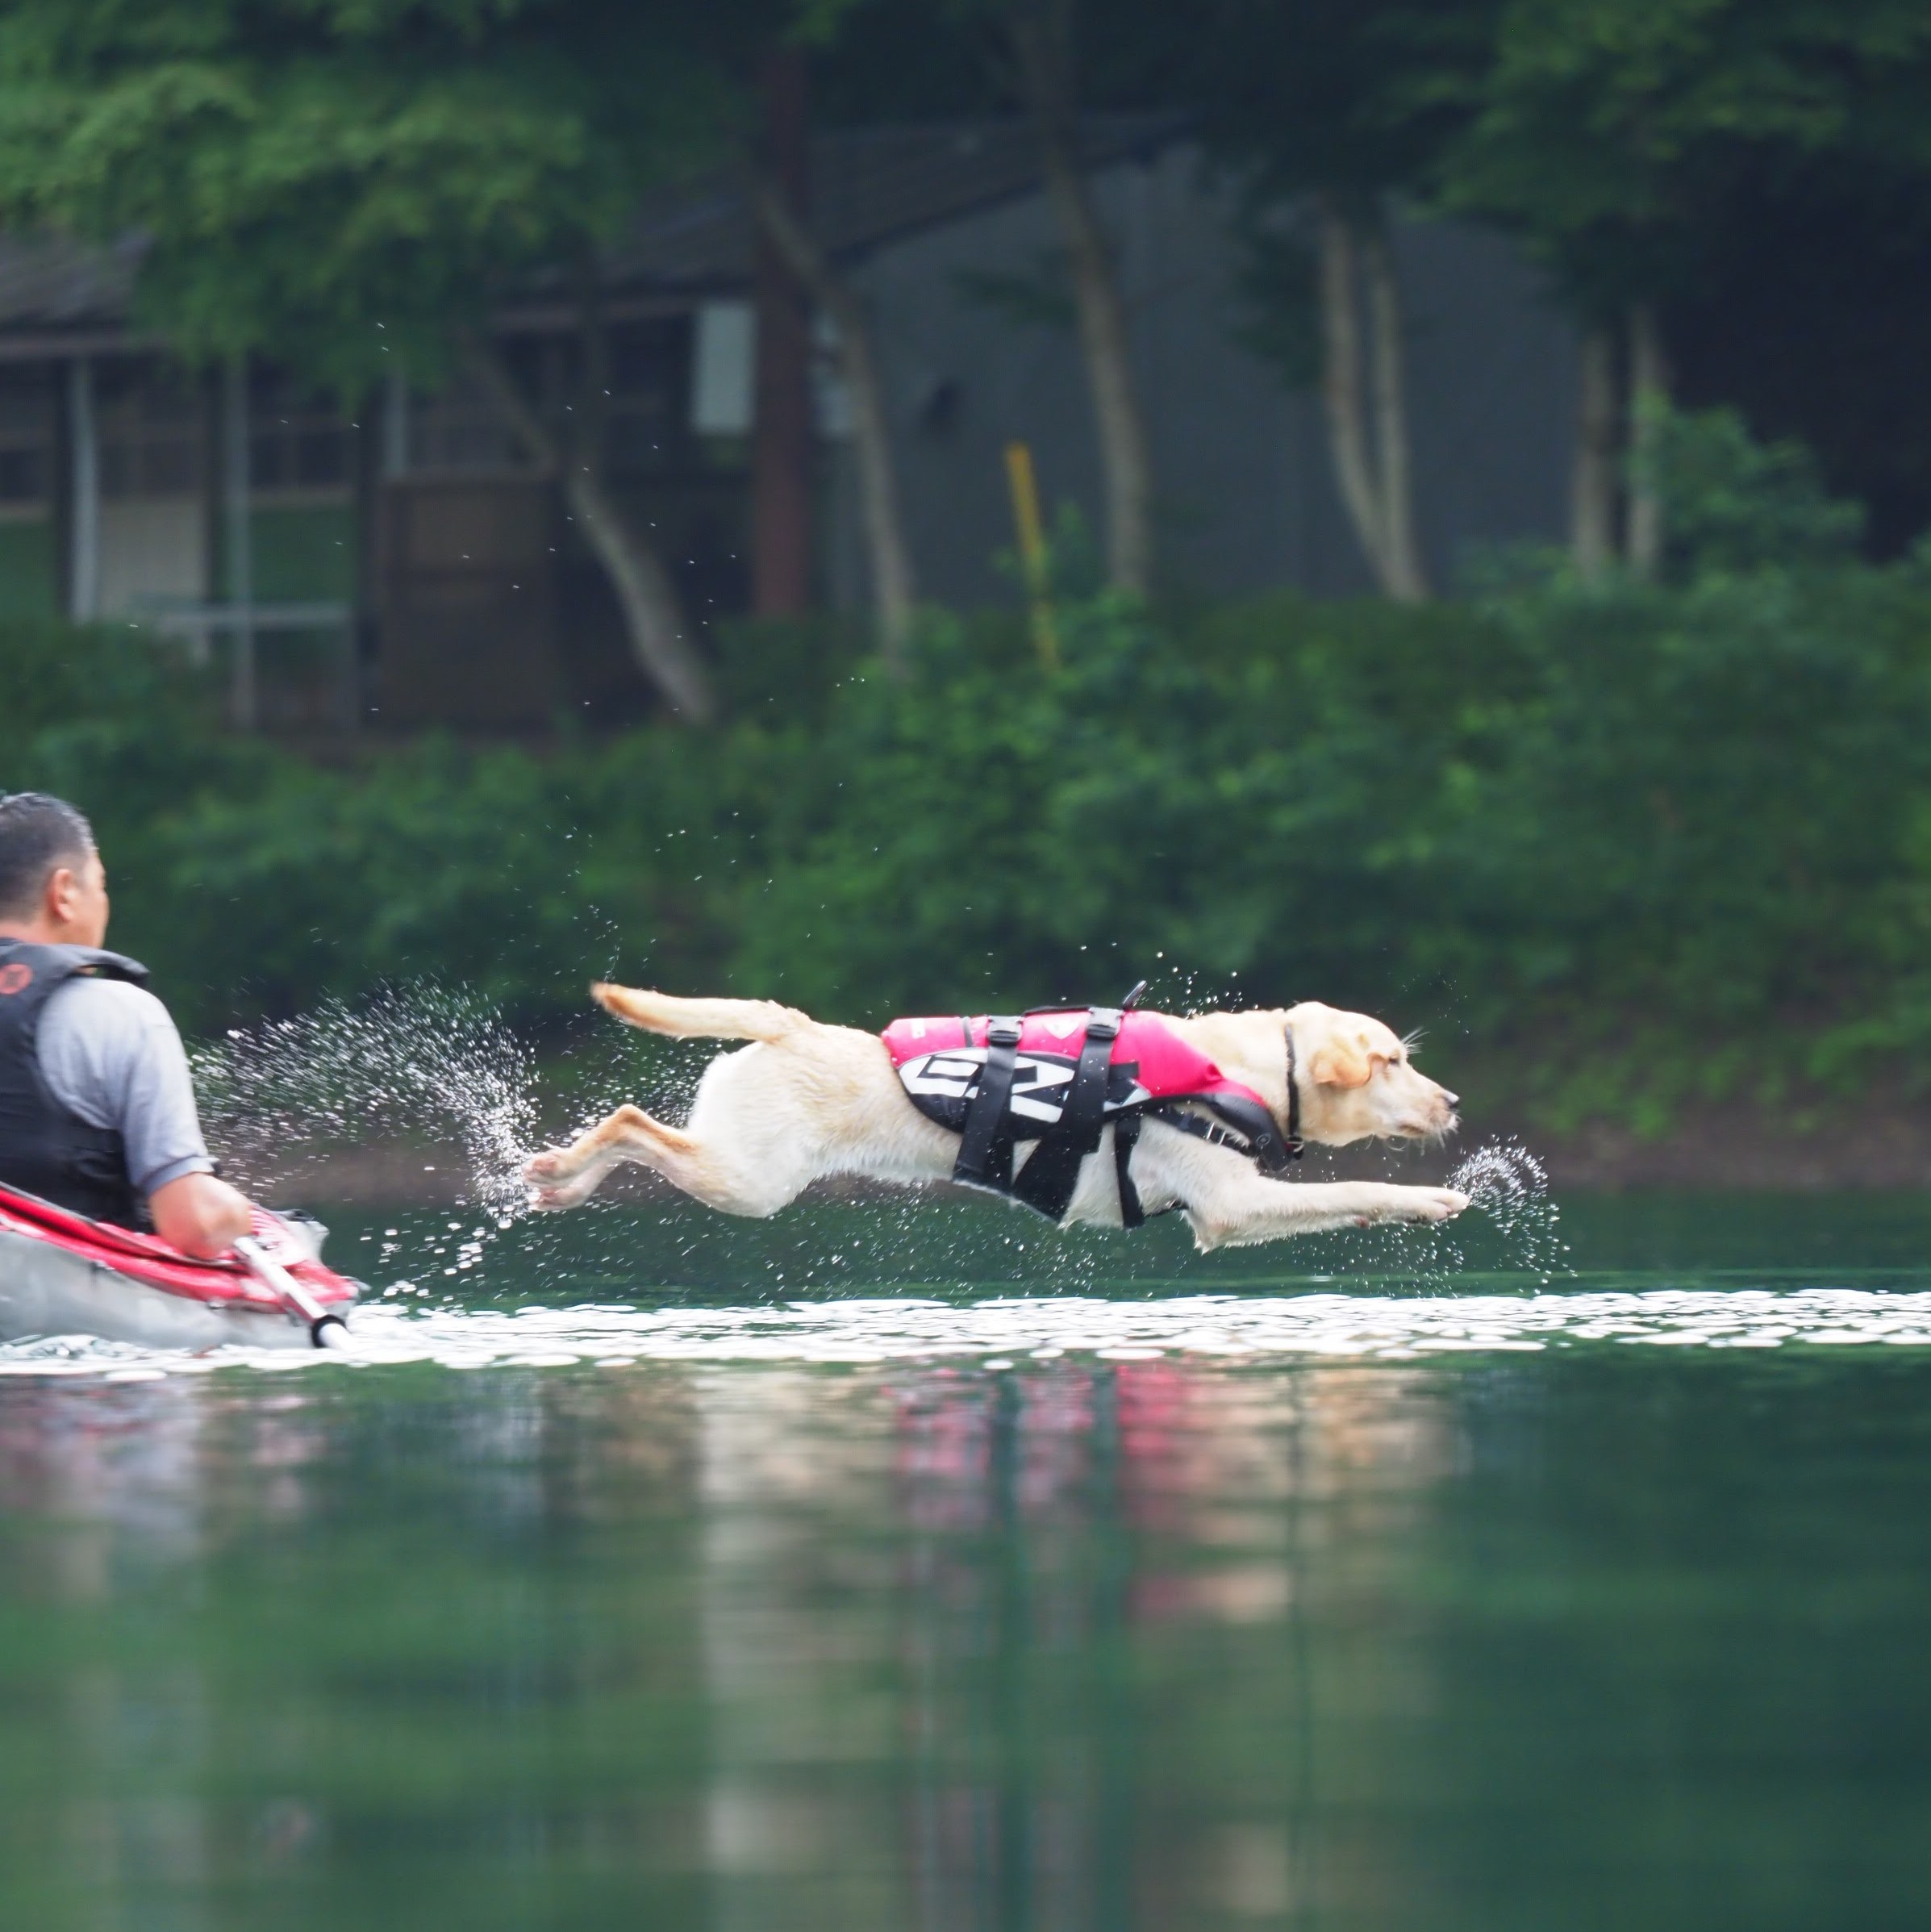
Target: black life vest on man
[
  {"x": 45, "y": 1148},
  {"x": 1061, "y": 1075}
]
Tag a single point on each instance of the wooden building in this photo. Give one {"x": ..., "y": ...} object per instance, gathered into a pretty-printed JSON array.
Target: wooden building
[{"x": 402, "y": 563}]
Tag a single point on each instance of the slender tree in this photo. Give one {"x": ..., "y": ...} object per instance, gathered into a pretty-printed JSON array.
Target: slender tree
[
  {"x": 777, "y": 139},
  {"x": 1053, "y": 61},
  {"x": 894, "y": 585},
  {"x": 1329, "y": 114},
  {"x": 788, "y": 232},
  {"x": 1041, "y": 35}
]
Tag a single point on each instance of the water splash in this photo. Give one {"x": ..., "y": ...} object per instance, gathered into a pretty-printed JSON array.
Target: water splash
[
  {"x": 1509, "y": 1185},
  {"x": 1026, "y": 1332},
  {"x": 420, "y": 1062}
]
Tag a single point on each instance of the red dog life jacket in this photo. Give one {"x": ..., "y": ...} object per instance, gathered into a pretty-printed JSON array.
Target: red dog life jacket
[{"x": 1059, "y": 1075}]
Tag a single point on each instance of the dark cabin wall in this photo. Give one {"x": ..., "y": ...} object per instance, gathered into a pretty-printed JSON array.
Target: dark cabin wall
[{"x": 1246, "y": 496}]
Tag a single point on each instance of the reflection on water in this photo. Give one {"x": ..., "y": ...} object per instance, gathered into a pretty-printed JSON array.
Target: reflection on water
[
  {"x": 778, "y": 1648},
  {"x": 1216, "y": 1611}
]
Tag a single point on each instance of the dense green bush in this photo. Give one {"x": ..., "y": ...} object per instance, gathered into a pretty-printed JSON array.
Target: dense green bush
[{"x": 1642, "y": 828}]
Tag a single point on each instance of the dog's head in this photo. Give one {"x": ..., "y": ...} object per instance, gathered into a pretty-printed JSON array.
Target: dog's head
[{"x": 1357, "y": 1080}]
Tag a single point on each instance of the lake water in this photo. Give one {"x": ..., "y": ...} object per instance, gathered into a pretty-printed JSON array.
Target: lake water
[{"x": 869, "y": 1570}]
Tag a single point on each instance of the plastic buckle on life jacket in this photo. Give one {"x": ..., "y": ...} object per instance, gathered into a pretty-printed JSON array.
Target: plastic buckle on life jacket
[
  {"x": 1104, "y": 1022},
  {"x": 1002, "y": 1032}
]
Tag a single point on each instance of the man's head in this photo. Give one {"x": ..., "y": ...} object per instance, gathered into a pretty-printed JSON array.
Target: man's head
[{"x": 53, "y": 889}]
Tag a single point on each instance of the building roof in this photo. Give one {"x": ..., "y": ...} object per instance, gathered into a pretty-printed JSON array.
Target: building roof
[
  {"x": 869, "y": 188},
  {"x": 47, "y": 284}
]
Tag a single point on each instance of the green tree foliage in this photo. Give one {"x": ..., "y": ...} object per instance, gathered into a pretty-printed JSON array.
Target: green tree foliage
[
  {"x": 344, "y": 183},
  {"x": 1357, "y": 100},
  {"x": 1610, "y": 135}
]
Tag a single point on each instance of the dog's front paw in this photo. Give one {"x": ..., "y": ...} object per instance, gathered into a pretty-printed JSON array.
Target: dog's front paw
[
  {"x": 1436, "y": 1203},
  {"x": 1424, "y": 1204}
]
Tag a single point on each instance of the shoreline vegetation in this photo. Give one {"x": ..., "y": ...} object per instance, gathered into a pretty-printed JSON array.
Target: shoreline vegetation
[{"x": 1646, "y": 860}]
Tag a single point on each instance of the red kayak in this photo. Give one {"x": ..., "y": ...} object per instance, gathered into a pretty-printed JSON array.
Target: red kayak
[{"x": 62, "y": 1274}]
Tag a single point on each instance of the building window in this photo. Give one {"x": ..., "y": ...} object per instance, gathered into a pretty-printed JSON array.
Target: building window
[
  {"x": 648, "y": 415},
  {"x": 152, "y": 431},
  {"x": 27, "y": 432},
  {"x": 298, "y": 441}
]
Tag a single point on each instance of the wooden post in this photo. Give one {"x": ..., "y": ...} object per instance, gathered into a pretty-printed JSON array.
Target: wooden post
[
  {"x": 781, "y": 441},
  {"x": 1648, "y": 397},
  {"x": 1033, "y": 551},
  {"x": 239, "y": 548},
  {"x": 1593, "y": 489},
  {"x": 84, "y": 555},
  {"x": 395, "y": 429}
]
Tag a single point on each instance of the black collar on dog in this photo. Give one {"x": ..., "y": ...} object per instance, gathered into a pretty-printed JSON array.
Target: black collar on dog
[{"x": 1293, "y": 1101}]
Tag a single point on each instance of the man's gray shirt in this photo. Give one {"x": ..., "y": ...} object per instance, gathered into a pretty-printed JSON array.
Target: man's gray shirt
[{"x": 109, "y": 1052}]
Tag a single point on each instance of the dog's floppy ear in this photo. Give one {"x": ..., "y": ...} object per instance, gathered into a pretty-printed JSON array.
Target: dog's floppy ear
[{"x": 1341, "y": 1063}]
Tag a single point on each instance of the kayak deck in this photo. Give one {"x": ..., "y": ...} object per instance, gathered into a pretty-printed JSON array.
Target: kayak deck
[{"x": 62, "y": 1274}]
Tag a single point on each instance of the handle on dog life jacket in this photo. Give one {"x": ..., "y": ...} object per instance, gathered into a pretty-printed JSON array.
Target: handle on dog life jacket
[
  {"x": 325, "y": 1330},
  {"x": 1134, "y": 997}
]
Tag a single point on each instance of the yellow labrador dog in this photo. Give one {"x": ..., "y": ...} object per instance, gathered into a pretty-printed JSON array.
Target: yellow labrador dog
[{"x": 806, "y": 1100}]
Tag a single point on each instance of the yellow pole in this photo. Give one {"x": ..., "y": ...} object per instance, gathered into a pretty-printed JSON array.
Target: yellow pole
[{"x": 1032, "y": 550}]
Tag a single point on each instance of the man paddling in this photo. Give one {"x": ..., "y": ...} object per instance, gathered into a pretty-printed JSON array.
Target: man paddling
[{"x": 97, "y": 1106}]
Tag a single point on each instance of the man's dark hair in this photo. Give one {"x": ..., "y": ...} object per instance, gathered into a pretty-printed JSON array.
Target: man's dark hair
[{"x": 39, "y": 834}]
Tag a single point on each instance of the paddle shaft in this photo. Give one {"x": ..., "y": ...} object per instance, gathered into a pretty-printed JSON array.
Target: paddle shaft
[{"x": 325, "y": 1330}]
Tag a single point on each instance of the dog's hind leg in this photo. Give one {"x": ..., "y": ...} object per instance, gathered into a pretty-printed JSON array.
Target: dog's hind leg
[
  {"x": 728, "y": 1181},
  {"x": 564, "y": 1176}
]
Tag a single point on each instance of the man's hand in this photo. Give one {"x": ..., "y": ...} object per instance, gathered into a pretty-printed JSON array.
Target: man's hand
[{"x": 199, "y": 1215}]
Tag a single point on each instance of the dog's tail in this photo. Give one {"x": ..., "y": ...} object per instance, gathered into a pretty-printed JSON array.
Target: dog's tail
[{"x": 699, "y": 1019}]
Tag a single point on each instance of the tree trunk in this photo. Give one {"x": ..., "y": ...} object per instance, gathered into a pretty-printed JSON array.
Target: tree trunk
[
  {"x": 1593, "y": 487},
  {"x": 1405, "y": 575},
  {"x": 1040, "y": 40},
  {"x": 652, "y": 614},
  {"x": 1341, "y": 387},
  {"x": 1648, "y": 397},
  {"x": 1364, "y": 396},
  {"x": 783, "y": 445},
  {"x": 893, "y": 589}
]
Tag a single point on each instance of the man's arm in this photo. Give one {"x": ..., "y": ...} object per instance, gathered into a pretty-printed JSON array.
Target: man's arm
[{"x": 200, "y": 1214}]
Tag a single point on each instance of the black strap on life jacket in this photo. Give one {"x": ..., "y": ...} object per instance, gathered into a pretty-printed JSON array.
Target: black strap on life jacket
[
  {"x": 1047, "y": 1181},
  {"x": 1293, "y": 1101},
  {"x": 986, "y": 1146},
  {"x": 1126, "y": 1137}
]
